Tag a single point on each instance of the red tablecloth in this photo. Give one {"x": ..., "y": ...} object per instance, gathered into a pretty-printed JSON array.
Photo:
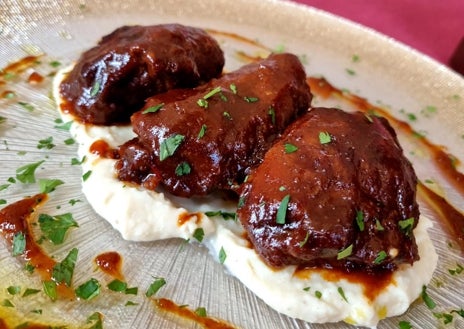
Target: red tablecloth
[{"x": 433, "y": 27}]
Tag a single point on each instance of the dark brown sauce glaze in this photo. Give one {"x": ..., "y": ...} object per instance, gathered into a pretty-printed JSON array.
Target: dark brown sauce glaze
[
  {"x": 186, "y": 313},
  {"x": 110, "y": 263},
  {"x": 16, "y": 218},
  {"x": 451, "y": 218}
]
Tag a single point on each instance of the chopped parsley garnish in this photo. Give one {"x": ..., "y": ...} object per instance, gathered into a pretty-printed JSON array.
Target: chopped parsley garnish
[
  {"x": 75, "y": 161},
  {"x": 404, "y": 325},
  {"x": 95, "y": 89},
  {"x": 342, "y": 293},
  {"x": 2, "y": 202},
  {"x": 212, "y": 92},
  {"x": 49, "y": 185},
  {"x": 406, "y": 225},
  {"x": 54, "y": 228},
  {"x": 86, "y": 175},
  {"x": 233, "y": 88},
  {"x": 63, "y": 272},
  {"x": 360, "y": 220},
  {"x": 96, "y": 320},
  {"x": 251, "y": 99},
  {"x": 202, "y": 103},
  {"x": 54, "y": 63},
  {"x": 318, "y": 294},
  {"x": 458, "y": 270},
  {"x": 29, "y": 268},
  {"x": 2, "y": 119},
  {"x": 27, "y": 106},
  {"x": 88, "y": 290},
  {"x": 222, "y": 255},
  {"x": 290, "y": 148},
  {"x": 198, "y": 234},
  {"x": 117, "y": 285},
  {"x": 445, "y": 317},
  {"x": 378, "y": 225},
  {"x": 4, "y": 186},
  {"x": 13, "y": 290},
  {"x": 201, "y": 311},
  {"x": 202, "y": 131},
  {"x": 426, "y": 298},
  {"x": 324, "y": 137},
  {"x": 155, "y": 286},
  {"x": 170, "y": 145},
  {"x": 65, "y": 126},
  {"x": 19, "y": 244},
  {"x": 304, "y": 241},
  {"x": 227, "y": 115},
  {"x": 72, "y": 202},
  {"x": 46, "y": 143},
  {"x": 282, "y": 211},
  {"x": 131, "y": 303},
  {"x": 153, "y": 109},
  {"x": 7, "y": 303},
  {"x": 69, "y": 141},
  {"x": 381, "y": 256},
  {"x": 355, "y": 58},
  {"x": 345, "y": 252},
  {"x": 306, "y": 288},
  {"x": 183, "y": 168},
  {"x": 30, "y": 291},
  {"x": 224, "y": 214},
  {"x": 26, "y": 173},
  {"x": 271, "y": 113},
  {"x": 132, "y": 291},
  {"x": 350, "y": 71},
  {"x": 49, "y": 288}
]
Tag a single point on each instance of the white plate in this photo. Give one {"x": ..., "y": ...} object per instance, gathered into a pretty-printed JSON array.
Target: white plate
[{"x": 387, "y": 73}]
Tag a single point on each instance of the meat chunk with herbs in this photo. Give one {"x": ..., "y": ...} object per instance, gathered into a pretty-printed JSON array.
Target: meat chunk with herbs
[
  {"x": 197, "y": 141},
  {"x": 335, "y": 191},
  {"x": 112, "y": 80}
]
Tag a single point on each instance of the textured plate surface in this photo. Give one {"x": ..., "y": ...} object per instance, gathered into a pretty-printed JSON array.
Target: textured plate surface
[{"x": 386, "y": 73}]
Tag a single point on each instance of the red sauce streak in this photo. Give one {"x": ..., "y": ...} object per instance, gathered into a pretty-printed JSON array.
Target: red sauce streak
[
  {"x": 103, "y": 149},
  {"x": 452, "y": 219},
  {"x": 17, "y": 218},
  {"x": 185, "y": 313},
  {"x": 373, "y": 284},
  {"x": 185, "y": 217},
  {"x": 110, "y": 263},
  {"x": 19, "y": 66},
  {"x": 35, "y": 78}
]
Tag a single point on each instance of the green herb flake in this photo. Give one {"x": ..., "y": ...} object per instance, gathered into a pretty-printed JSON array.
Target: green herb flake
[
  {"x": 153, "y": 109},
  {"x": 49, "y": 288},
  {"x": 404, "y": 325},
  {"x": 65, "y": 126},
  {"x": 132, "y": 291},
  {"x": 2, "y": 119},
  {"x": 54, "y": 63},
  {"x": 350, "y": 71},
  {"x": 117, "y": 285},
  {"x": 170, "y": 145},
  {"x": 202, "y": 103},
  {"x": 250, "y": 99},
  {"x": 290, "y": 148},
  {"x": 227, "y": 115},
  {"x": 318, "y": 294},
  {"x": 233, "y": 88},
  {"x": 345, "y": 252},
  {"x": 2, "y": 202},
  {"x": 131, "y": 303},
  {"x": 183, "y": 168},
  {"x": 63, "y": 272},
  {"x": 77, "y": 162},
  {"x": 458, "y": 312},
  {"x": 378, "y": 226},
  {"x": 324, "y": 137},
  {"x": 46, "y": 143},
  {"x": 198, "y": 234},
  {"x": 272, "y": 114},
  {"x": 457, "y": 270},
  {"x": 30, "y": 291},
  {"x": 212, "y": 92},
  {"x": 305, "y": 240},
  {"x": 13, "y": 290},
  {"x": 406, "y": 225},
  {"x": 306, "y": 288},
  {"x": 282, "y": 211},
  {"x": 54, "y": 228},
  {"x": 342, "y": 293},
  {"x": 4, "y": 186},
  {"x": 69, "y": 141},
  {"x": 49, "y": 185},
  {"x": 72, "y": 202},
  {"x": 96, "y": 320},
  {"x": 224, "y": 214},
  {"x": 381, "y": 256},
  {"x": 201, "y": 312},
  {"x": 7, "y": 303},
  {"x": 360, "y": 220},
  {"x": 86, "y": 175},
  {"x": 29, "y": 268},
  {"x": 222, "y": 255},
  {"x": 202, "y": 131},
  {"x": 155, "y": 286},
  {"x": 355, "y": 58},
  {"x": 26, "y": 173},
  {"x": 426, "y": 298},
  {"x": 95, "y": 89},
  {"x": 19, "y": 244},
  {"x": 447, "y": 318},
  {"x": 37, "y": 311},
  {"x": 28, "y": 107},
  {"x": 88, "y": 290}
]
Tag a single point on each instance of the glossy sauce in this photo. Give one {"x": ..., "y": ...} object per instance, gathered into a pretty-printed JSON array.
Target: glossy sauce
[
  {"x": 110, "y": 263},
  {"x": 19, "y": 66},
  {"x": 35, "y": 78},
  {"x": 17, "y": 218},
  {"x": 186, "y": 216},
  {"x": 103, "y": 149},
  {"x": 452, "y": 219},
  {"x": 186, "y": 313}
]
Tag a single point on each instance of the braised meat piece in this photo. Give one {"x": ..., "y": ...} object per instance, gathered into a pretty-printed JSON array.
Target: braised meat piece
[
  {"x": 206, "y": 139},
  {"x": 112, "y": 80},
  {"x": 335, "y": 191}
]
